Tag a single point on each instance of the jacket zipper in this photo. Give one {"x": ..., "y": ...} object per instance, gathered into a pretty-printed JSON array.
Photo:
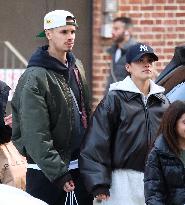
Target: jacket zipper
[{"x": 147, "y": 123}]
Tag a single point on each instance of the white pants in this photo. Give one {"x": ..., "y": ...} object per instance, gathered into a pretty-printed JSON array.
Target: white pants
[{"x": 127, "y": 188}]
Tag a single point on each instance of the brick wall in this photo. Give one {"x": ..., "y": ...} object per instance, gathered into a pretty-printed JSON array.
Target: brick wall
[{"x": 159, "y": 23}]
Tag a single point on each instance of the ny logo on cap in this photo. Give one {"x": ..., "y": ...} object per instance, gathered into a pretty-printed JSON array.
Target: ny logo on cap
[{"x": 143, "y": 48}]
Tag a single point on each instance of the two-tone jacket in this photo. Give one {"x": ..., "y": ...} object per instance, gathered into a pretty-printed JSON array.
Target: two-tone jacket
[
  {"x": 123, "y": 127},
  {"x": 44, "y": 113}
]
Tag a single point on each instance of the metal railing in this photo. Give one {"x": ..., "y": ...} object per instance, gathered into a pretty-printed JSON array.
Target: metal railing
[
  {"x": 12, "y": 65},
  {"x": 12, "y": 58}
]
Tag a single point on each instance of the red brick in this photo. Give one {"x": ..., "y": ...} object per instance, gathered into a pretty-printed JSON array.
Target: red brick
[
  {"x": 168, "y": 50},
  {"x": 180, "y": 14},
  {"x": 134, "y": 1},
  {"x": 158, "y": 1},
  {"x": 170, "y": 43},
  {"x": 182, "y": 7},
  {"x": 180, "y": 28},
  {"x": 158, "y": 21},
  {"x": 170, "y": 15},
  {"x": 170, "y": 29},
  {"x": 147, "y": 36},
  {"x": 179, "y": 1},
  {"x": 158, "y": 36},
  {"x": 182, "y": 21},
  {"x": 147, "y": 15},
  {"x": 158, "y": 8},
  {"x": 181, "y": 36},
  {"x": 158, "y": 43},
  {"x": 170, "y": 22},
  {"x": 170, "y": 36},
  {"x": 158, "y": 15},
  {"x": 170, "y": 8},
  {"x": 145, "y": 8},
  {"x": 136, "y": 15},
  {"x": 149, "y": 22},
  {"x": 158, "y": 29},
  {"x": 125, "y": 8}
]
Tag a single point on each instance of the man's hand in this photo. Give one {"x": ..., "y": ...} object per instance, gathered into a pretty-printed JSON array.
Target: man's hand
[
  {"x": 8, "y": 120},
  {"x": 69, "y": 186},
  {"x": 101, "y": 197}
]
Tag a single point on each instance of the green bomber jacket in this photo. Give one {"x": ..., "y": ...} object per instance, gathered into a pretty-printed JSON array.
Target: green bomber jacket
[{"x": 42, "y": 124}]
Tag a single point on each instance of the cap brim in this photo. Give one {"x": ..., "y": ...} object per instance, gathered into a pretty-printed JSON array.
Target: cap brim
[
  {"x": 41, "y": 34},
  {"x": 142, "y": 54}
]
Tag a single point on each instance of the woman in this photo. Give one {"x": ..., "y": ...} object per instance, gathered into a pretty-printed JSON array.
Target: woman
[
  {"x": 121, "y": 131},
  {"x": 12, "y": 165},
  {"x": 164, "y": 179}
]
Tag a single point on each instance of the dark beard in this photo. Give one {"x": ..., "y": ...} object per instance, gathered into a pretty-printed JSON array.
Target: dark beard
[{"x": 119, "y": 40}]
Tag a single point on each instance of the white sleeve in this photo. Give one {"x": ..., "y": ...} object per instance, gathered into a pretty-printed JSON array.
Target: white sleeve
[{"x": 177, "y": 93}]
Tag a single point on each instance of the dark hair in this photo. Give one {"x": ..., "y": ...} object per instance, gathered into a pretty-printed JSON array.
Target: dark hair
[
  {"x": 168, "y": 124},
  {"x": 126, "y": 20}
]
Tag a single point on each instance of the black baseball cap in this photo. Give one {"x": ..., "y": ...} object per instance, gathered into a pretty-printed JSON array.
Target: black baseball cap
[{"x": 136, "y": 51}]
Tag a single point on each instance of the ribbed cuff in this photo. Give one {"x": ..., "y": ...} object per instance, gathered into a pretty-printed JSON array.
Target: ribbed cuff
[
  {"x": 60, "y": 182},
  {"x": 101, "y": 189}
]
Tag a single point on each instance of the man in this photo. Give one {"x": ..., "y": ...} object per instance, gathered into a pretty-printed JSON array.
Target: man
[
  {"x": 50, "y": 111},
  {"x": 121, "y": 132},
  {"x": 122, "y": 37}
]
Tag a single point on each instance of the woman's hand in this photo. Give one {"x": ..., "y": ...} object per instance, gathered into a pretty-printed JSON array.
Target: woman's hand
[
  {"x": 101, "y": 197},
  {"x": 8, "y": 120}
]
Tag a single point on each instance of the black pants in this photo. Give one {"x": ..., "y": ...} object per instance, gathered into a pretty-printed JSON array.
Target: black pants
[{"x": 40, "y": 187}]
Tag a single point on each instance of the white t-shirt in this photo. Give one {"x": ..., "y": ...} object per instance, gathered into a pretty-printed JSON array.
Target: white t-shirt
[
  {"x": 13, "y": 196},
  {"x": 117, "y": 54}
]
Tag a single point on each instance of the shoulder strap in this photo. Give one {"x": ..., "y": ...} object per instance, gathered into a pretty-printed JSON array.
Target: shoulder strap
[{"x": 85, "y": 88}]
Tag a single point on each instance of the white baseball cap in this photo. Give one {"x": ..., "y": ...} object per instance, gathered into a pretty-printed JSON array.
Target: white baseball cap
[{"x": 56, "y": 19}]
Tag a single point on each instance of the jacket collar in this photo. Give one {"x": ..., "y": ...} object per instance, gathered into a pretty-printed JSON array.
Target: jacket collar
[
  {"x": 41, "y": 58},
  {"x": 162, "y": 146},
  {"x": 132, "y": 90}
]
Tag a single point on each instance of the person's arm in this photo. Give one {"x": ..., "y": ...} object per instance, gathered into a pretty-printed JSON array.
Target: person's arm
[
  {"x": 95, "y": 156},
  {"x": 154, "y": 184}
]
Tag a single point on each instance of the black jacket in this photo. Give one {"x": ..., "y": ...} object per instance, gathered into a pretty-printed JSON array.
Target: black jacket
[
  {"x": 120, "y": 133},
  {"x": 164, "y": 176},
  {"x": 5, "y": 131}
]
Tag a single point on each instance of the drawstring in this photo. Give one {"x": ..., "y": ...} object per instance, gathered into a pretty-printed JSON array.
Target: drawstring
[{"x": 72, "y": 197}]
